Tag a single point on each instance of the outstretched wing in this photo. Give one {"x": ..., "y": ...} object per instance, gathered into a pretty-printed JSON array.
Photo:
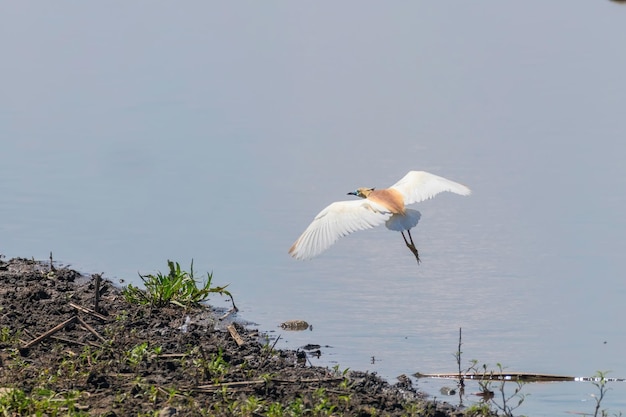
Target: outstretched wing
[
  {"x": 418, "y": 186},
  {"x": 335, "y": 221}
]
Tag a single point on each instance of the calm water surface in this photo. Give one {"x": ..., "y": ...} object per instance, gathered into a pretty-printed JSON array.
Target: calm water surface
[
  {"x": 223, "y": 138},
  {"x": 531, "y": 291}
]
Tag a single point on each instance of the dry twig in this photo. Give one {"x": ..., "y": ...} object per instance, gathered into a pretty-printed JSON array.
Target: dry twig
[
  {"x": 233, "y": 332},
  {"x": 49, "y": 332},
  {"x": 91, "y": 329},
  {"x": 89, "y": 311}
]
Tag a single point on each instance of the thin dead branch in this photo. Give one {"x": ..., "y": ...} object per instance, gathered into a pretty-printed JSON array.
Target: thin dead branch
[
  {"x": 49, "y": 332},
  {"x": 91, "y": 329},
  {"x": 235, "y": 335},
  {"x": 97, "y": 278},
  {"x": 89, "y": 311}
]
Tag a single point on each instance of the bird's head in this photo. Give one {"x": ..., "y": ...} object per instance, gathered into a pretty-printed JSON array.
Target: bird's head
[{"x": 361, "y": 192}]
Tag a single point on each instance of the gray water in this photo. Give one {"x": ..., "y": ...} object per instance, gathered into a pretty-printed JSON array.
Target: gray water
[{"x": 135, "y": 133}]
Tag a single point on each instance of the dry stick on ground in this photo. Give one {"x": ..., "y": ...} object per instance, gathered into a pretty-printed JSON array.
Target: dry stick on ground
[
  {"x": 49, "y": 332},
  {"x": 233, "y": 332},
  {"x": 172, "y": 355},
  {"x": 242, "y": 384},
  {"x": 89, "y": 311},
  {"x": 97, "y": 278},
  {"x": 218, "y": 387},
  {"x": 91, "y": 329},
  {"x": 27, "y": 333}
]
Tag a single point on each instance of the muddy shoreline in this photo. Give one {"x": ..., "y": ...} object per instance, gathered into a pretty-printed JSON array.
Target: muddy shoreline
[{"x": 58, "y": 351}]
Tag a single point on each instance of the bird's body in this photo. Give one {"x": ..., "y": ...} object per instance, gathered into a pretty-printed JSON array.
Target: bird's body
[
  {"x": 390, "y": 198},
  {"x": 376, "y": 207}
]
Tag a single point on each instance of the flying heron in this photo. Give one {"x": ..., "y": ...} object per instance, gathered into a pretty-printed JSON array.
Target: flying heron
[{"x": 373, "y": 209}]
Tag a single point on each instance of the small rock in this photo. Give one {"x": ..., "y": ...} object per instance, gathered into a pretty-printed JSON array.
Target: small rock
[{"x": 295, "y": 325}]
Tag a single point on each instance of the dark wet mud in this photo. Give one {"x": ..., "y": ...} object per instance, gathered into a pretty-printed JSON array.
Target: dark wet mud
[{"x": 64, "y": 357}]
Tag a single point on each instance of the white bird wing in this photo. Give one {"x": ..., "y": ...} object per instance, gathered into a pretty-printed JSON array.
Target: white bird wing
[
  {"x": 418, "y": 186},
  {"x": 337, "y": 220}
]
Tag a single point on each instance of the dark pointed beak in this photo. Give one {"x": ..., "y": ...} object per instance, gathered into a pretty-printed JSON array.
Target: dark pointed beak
[{"x": 351, "y": 193}]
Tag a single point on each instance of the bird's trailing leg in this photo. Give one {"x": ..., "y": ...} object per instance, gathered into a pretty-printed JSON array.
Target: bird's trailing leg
[{"x": 411, "y": 245}]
